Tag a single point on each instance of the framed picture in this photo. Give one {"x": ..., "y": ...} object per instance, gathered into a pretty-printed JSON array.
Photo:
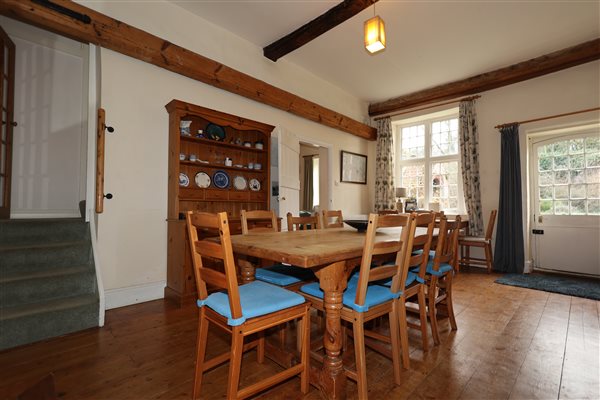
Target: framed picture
[{"x": 353, "y": 168}]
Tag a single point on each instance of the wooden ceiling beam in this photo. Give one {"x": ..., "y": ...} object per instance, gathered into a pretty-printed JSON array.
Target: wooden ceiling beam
[
  {"x": 315, "y": 28},
  {"x": 546, "y": 64},
  {"x": 86, "y": 25}
]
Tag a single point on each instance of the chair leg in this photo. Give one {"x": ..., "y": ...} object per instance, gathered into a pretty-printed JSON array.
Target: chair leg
[
  {"x": 449, "y": 303},
  {"x": 200, "y": 352},
  {"x": 282, "y": 335},
  {"x": 304, "y": 332},
  {"x": 260, "y": 349},
  {"x": 488, "y": 256},
  {"x": 468, "y": 255},
  {"x": 395, "y": 338},
  {"x": 361, "y": 360},
  {"x": 423, "y": 317},
  {"x": 235, "y": 363},
  {"x": 403, "y": 332},
  {"x": 431, "y": 294}
]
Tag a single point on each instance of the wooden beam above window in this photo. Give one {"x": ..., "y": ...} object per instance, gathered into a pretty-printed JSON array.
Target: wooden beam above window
[
  {"x": 546, "y": 64},
  {"x": 315, "y": 28},
  {"x": 88, "y": 26}
]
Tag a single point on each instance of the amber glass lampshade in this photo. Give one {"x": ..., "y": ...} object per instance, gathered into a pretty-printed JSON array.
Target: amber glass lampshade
[{"x": 374, "y": 34}]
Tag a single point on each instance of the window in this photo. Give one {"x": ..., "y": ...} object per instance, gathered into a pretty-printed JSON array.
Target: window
[
  {"x": 568, "y": 180},
  {"x": 428, "y": 165}
]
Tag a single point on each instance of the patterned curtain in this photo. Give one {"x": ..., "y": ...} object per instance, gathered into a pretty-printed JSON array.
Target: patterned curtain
[
  {"x": 469, "y": 151},
  {"x": 509, "y": 253},
  {"x": 385, "y": 198}
]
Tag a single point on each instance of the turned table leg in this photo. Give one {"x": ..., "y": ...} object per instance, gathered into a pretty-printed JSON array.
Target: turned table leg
[
  {"x": 247, "y": 270},
  {"x": 332, "y": 380}
]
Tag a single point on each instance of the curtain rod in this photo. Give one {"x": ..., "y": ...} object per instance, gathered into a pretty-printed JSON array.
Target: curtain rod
[
  {"x": 548, "y": 117},
  {"x": 431, "y": 106}
]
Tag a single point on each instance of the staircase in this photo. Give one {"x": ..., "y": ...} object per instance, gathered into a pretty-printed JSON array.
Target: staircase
[{"x": 47, "y": 280}]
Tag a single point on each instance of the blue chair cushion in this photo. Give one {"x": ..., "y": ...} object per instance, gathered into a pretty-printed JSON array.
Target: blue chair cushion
[
  {"x": 283, "y": 275},
  {"x": 443, "y": 269},
  {"x": 431, "y": 253},
  {"x": 257, "y": 298},
  {"x": 376, "y": 294},
  {"x": 411, "y": 277}
]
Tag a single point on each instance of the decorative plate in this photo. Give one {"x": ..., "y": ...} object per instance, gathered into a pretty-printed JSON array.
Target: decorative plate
[
  {"x": 254, "y": 185},
  {"x": 202, "y": 180},
  {"x": 184, "y": 180},
  {"x": 240, "y": 183},
  {"x": 221, "y": 179},
  {"x": 215, "y": 132}
]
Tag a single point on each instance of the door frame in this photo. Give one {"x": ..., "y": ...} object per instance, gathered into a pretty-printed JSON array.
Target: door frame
[
  {"x": 534, "y": 136},
  {"x": 9, "y": 123}
]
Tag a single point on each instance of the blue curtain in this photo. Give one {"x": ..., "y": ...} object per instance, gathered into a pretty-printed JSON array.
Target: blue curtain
[{"x": 509, "y": 252}]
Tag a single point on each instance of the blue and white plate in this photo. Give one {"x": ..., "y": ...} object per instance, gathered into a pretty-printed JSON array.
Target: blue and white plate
[
  {"x": 184, "y": 181},
  {"x": 221, "y": 180}
]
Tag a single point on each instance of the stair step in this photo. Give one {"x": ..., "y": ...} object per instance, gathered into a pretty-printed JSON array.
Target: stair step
[
  {"x": 30, "y": 231},
  {"x": 44, "y": 273},
  {"x": 37, "y": 321},
  {"x": 23, "y": 258},
  {"x": 43, "y": 288}
]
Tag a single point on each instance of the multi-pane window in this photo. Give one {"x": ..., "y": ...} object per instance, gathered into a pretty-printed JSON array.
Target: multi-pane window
[
  {"x": 429, "y": 164},
  {"x": 569, "y": 177}
]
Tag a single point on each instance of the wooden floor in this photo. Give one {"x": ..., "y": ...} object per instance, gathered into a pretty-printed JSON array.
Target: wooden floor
[{"x": 511, "y": 343}]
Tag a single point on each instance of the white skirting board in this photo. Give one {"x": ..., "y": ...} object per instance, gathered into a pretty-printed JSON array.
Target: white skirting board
[{"x": 121, "y": 297}]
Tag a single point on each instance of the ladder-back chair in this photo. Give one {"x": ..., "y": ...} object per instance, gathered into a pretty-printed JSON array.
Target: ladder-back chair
[
  {"x": 485, "y": 242},
  {"x": 332, "y": 219},
  {"x": 239, "y": 310},
  {"x": 364, "y": 300}
]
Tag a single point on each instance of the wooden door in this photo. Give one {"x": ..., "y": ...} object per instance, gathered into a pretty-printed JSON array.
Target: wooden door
[
  {"x": 289, "y": 174},
  {"x": 7, "y": 91},
  {"x": 566, "y": 201}
]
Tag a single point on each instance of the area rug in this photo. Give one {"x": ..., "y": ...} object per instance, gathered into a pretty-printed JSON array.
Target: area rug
[{"x": 588, "y": 288}]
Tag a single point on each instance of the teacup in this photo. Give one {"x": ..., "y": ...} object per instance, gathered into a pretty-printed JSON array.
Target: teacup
[
  {"x": 193, "y": 157},
  {"x": 250, "y": 165},
  {"x": 181, "y": 156},
  {"x": 257, "y": 166}
]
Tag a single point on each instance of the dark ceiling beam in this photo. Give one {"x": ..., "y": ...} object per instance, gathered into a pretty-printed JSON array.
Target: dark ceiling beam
[
  {"x": 88, "y": 26},
  {"x": 315, "y": 28},
  {"x": 546, "y": 64}
]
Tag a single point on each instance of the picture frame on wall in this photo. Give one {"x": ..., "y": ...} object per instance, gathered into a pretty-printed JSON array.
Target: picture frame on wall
[{"x": 353, "y": 168}]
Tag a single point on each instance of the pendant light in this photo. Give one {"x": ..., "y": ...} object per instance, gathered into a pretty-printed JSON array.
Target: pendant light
[{"x": 374, "y": 34}]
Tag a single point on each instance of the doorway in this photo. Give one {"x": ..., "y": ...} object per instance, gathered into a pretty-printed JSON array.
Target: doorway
[
  {"x": 565, "y": 200},
  {"x": 314, "y": 177},
  {"x": 287, "y": 182},
  {"x": 49, "y": 148}
]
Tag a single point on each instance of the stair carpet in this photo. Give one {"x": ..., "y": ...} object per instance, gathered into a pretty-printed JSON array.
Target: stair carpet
[{"x": 47, "y": 280}]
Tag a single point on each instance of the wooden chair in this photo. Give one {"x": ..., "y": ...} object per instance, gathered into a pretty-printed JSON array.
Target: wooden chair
[
  {"x": 332, "y": 219},
  {"x": 364, "y": 301},
  {"x": 388, "y": 212},
  {"x": 466, "y": 242},
  {"x": 258, "y": 221},
  {"x": 240, "y": 311},
  {"x": 302, "y": 223},
  {"x": 278, "y": 274},
  {"x": 440, "y": 272},
  {"x": 415, "y": 281}
]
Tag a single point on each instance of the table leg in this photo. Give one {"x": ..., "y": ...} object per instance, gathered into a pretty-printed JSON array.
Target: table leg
[
  {"x": 247, "y": 270},
  {"x": 332, "y": 380}
]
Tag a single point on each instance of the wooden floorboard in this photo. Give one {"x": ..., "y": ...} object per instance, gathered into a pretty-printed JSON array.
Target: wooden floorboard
[{"x": 511, "y": 343}]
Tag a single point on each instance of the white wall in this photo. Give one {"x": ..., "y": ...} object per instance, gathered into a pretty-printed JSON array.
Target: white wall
[
  {"x": 572, "y": 89},
  {"x": 132, "y": 230}
]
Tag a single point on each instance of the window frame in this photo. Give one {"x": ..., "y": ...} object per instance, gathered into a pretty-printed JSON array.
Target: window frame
[{"x": 428, "y": 160}]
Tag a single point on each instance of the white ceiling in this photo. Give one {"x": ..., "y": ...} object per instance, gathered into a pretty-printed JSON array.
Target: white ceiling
[{"x": 428, "y": 42}]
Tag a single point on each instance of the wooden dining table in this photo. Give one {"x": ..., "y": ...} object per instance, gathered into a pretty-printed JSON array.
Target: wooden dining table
[{"x": 332, "y": 254}]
